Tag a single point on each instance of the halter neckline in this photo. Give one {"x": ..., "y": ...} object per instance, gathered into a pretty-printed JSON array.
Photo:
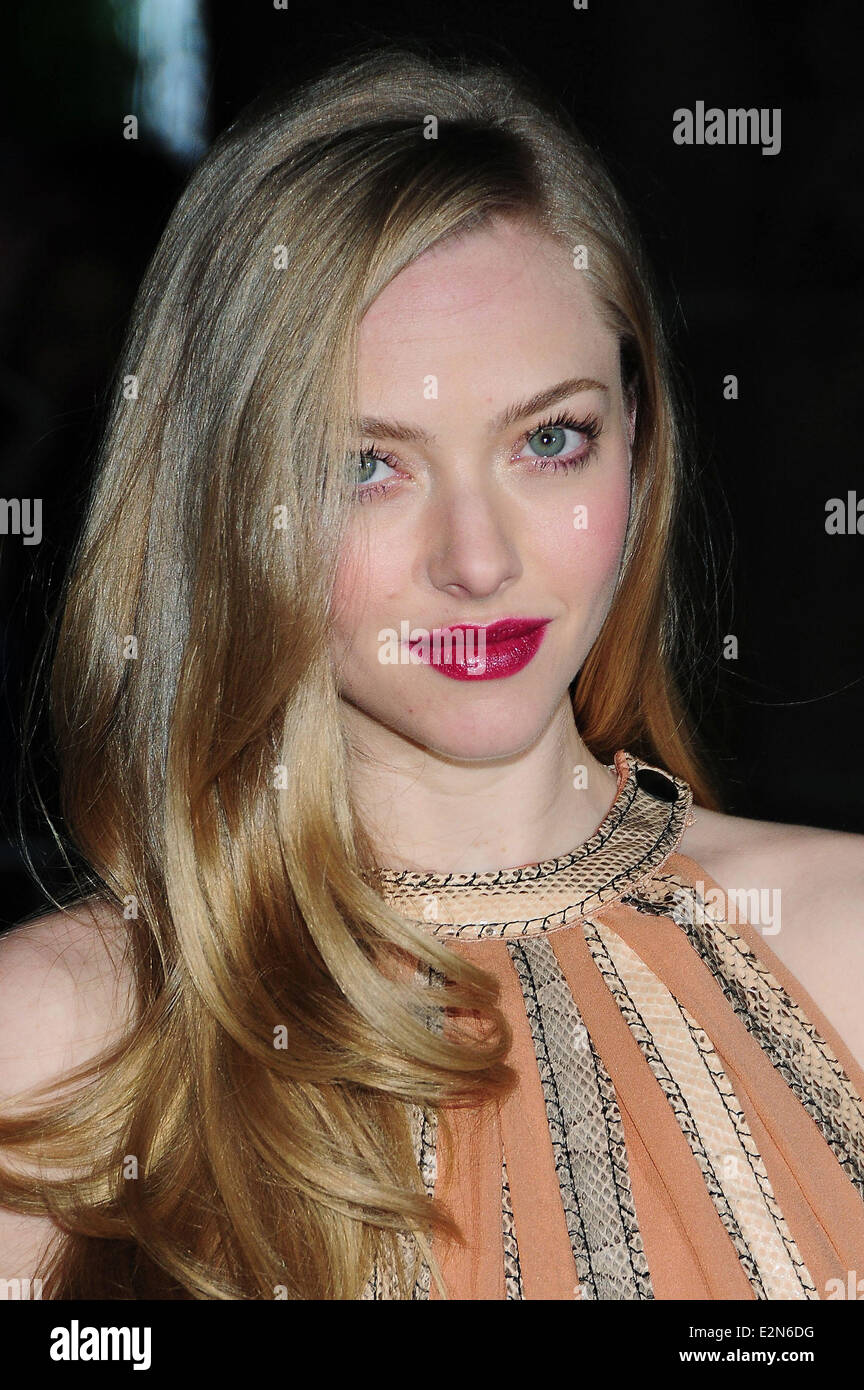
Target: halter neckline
[{"x": 642, "y": 827}]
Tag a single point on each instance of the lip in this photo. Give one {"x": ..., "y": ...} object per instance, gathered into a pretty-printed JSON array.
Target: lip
[{"x": 510, "y": 644}]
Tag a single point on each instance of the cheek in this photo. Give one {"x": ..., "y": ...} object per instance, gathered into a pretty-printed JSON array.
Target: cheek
[
  {"x": 581, "y": 544},
  {"x": 371, "y": 574}
]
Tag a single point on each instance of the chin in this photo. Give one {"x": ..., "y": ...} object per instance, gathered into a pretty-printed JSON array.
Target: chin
[{"x": 478, "y": 734}]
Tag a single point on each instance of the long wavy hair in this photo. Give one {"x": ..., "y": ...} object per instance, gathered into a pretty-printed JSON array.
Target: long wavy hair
[{"x": 196, "y": 715}]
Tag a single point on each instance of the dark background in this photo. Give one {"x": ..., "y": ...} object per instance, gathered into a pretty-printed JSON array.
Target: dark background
[{"x": 758, "y": 259}]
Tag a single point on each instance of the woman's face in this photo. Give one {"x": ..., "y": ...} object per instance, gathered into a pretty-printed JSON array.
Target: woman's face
[{"x": 479, "y": 514}]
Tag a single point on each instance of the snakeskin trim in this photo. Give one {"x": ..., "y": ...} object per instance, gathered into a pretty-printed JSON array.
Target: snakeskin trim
[
  {"x": 677, "y": 1103},
  {"x": 638, "y": 832},
  {"x": 680, "y": 1049},
  {"x": 512, "y": 1267},
  {"x": 587, "y": 1136},
  {"x": 792, "y": 1044}
]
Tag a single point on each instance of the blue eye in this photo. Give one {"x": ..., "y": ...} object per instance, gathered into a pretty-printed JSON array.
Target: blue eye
[
  {"x": 553, "y": 440},
  {"x": 552, "y": 434},
  {"x": 367, "y": 462},
  {"x": 553, "y": 450}
]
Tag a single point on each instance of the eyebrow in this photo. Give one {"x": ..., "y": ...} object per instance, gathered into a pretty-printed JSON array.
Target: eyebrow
[{"x": 541, "y": 400}]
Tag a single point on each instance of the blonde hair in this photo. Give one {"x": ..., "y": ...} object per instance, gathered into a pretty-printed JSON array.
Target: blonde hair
[{"x": 196, "y": 716}]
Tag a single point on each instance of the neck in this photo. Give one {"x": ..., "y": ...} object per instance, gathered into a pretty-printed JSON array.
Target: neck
[{"x": 428, "y": 812}]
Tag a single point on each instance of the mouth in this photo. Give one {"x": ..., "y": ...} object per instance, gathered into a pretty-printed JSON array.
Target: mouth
[{"x": 471, "y": 651}]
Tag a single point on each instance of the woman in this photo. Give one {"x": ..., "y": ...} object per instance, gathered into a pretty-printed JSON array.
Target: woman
[{"x": 306, "y": 712}]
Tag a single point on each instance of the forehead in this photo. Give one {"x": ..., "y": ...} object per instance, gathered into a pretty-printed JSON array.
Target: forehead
[{"x": 504, "y": 290}]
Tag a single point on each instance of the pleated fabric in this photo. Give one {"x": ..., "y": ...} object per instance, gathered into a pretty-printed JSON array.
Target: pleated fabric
[{"x": 686, "y": 1123}]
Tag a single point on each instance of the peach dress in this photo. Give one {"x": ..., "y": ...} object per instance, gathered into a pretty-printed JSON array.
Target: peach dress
[{"x": 687, "y": 1123}]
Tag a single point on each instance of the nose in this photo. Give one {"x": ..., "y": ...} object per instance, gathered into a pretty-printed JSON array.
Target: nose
[{"x": 472, "y": 549}]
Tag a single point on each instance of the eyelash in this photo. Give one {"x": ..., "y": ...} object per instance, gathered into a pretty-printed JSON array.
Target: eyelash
[{"x": 590, "y": 426}]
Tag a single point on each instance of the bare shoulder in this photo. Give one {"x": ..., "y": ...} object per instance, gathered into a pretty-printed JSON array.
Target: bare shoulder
[
  {"x": 813, "y": 865},
  {"x": 65, "y": 994},
  {"x": 816, "y": 879},
  {"x": 772, "y": 846}
]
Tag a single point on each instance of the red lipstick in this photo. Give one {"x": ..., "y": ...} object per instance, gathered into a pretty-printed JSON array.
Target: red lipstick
[{"x": 471, "y": 652}]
